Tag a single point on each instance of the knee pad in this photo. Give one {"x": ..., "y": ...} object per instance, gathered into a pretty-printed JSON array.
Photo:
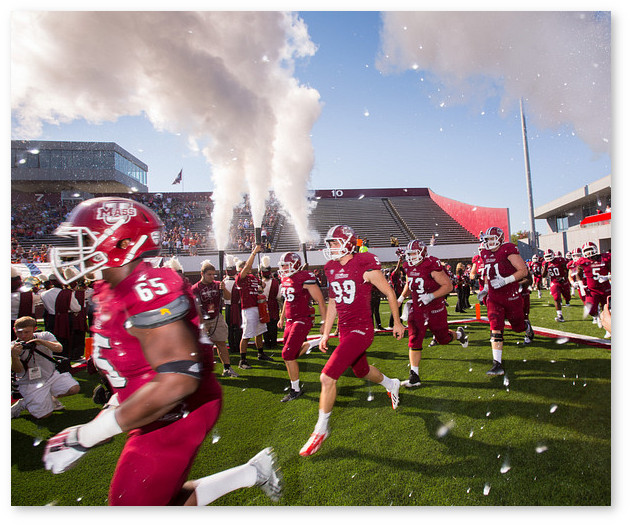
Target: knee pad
[{"x": 496, "y": 337}]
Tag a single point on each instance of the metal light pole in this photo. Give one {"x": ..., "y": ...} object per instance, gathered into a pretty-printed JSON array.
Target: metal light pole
[{"x": 533, "y": 238}]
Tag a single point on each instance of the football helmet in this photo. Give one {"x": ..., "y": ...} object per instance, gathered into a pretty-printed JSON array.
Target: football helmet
[
  {"x": 415, "y": 252},
  {"x": 290, "y": 263},
  {"x": 589, "y": 249},
  {"x": 109, "y": 232},
  {"x": 576, "y": 254},
  {"x": 549, "y": 255},
  {"x": 535, "y": 258},
  {"x": 493, "y": 238},
  {"x": 346, "y": 239}
]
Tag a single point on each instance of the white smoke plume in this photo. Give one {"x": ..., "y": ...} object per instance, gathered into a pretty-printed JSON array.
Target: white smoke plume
[
  {"x": 558, "y": 62},
  {"x": 224, "y": 79}
]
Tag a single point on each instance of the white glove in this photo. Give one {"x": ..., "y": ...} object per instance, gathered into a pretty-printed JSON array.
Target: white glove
[
  {"x": 426, "y": 298},
  {"x": 482, "y": 294},
  {"x": 500, "y": 282},
  {"x": 604, "y": 278},
  {"x": 63, "y": 451}
]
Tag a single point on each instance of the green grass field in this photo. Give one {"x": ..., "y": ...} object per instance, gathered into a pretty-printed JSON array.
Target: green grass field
[{"x": 539, "y": 436}]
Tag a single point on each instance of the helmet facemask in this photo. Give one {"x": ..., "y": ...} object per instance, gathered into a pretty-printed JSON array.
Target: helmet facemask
[{"x": 334, "y": 253}]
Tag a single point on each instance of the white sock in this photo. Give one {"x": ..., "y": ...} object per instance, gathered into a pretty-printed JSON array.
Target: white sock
[
  {"x": 497, "y": 354},
  {"x": 322, "y": 422},
  {"x": 212, "y": 487},
  {"x": 387, "y": 382},
  {"x": 559, "y": 312},
  {"x": 415, "y": 369},
  {"x": 295, "y": 385}
]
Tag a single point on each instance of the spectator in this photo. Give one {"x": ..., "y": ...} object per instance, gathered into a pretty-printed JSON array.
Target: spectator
[
  {"x": 271, "y": 290},
  {"x": 211, "y": 295},
  {"x": 39, "y": 383},
  {"x": 249, "y": 289},
  {"x": 59, "y": 302}
]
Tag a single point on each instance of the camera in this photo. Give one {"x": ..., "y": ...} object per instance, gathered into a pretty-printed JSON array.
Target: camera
[{"x": 27, "y": 346}]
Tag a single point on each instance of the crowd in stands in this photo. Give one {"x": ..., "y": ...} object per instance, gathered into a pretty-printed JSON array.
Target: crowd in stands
[
  {"x": 243, "y": 230},
  {"x": 35, "y": 220}
]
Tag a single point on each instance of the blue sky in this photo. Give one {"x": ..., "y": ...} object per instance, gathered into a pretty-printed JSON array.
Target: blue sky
[{"x": 389, "y": 129}]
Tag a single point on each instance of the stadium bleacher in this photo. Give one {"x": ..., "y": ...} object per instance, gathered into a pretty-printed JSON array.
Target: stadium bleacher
[{"x": 375, "y": 217}]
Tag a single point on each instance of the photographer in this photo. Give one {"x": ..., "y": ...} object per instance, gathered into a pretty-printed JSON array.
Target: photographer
[{"x": 39, "y": 383}]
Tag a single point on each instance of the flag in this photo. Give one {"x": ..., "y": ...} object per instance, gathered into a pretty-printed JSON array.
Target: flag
[{"x": 178, "y": 179}]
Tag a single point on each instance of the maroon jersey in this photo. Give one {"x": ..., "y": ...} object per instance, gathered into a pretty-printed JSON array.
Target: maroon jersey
[
  {"x": 497, "y": 264},
  {"x": 556, "y": 270},
  {"x": 210, "y": 297},
  {"x": 593, "y": 268},
  {"x": 536, "y": 269},
  {"x": 397, "y": 283},
  {"x": 249, "y": 288},
  {"x": 148, "y": 297},
  {"x": 297, "y": 298},
  {"x": 478, "y": 262},
  {"x": 350, "y": 292},
  {"x": 420, "y": 281}
]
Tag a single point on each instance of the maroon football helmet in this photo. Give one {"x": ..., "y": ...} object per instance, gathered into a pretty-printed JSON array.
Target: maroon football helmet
[
  {"x": 589, "y": 249},
  {"x": 549, "y": 255},
  {"x": 576, "y": 254},
  {"x": 346, "y": 239},
  {"x": 415, "y": 252},
  {"x": 493, "y": 238},
  {"x": 290, "y": 263},
  {"x": 109, "y": 232}
]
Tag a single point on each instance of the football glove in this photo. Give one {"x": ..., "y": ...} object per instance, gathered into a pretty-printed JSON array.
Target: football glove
[
  {"x": 426, "y": 298},
  {"x": 604, "y": 278},
  {"x": 482, "y": 294},
  {"x": 500, "y": 282},
  {"x": 63, "y": 451}
]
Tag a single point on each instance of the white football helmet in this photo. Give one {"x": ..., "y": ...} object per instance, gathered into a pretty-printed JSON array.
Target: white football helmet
[{"x": 415, "y": 252}]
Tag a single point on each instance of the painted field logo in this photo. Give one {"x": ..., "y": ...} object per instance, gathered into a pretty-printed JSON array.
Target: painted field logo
[{"x": 111, "y": 212}]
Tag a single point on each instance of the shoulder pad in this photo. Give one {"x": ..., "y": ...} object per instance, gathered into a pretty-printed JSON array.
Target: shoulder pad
[{"x": 169, "y": 313}]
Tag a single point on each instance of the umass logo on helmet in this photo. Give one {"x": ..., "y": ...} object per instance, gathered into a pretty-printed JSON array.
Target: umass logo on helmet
[{"x": 111, "y": 212}]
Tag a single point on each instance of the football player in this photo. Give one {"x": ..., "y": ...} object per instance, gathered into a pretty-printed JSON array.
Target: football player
[
  {"x": 350, "y": 279},
  {"x": 504, "y": 268},
  {"x": 297, "y": 287},
  {"x": 476, "y": 272},
  {"x": 575, "y": 278},
  {"x": 211, "y": 295},
  {"x": 427, "y": 284},
  {"x": 555, "y": 268},
  {"x": 536, "y": 271},
  {"x": 595, "y": 269},
  {"x": 149, "y": 344}
]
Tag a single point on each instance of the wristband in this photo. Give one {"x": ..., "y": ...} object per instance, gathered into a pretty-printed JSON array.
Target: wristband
[
  {"x": 510, "y": 279},
  {"x": 102, "y": 427},
  {"x": 401, "y": 298}
]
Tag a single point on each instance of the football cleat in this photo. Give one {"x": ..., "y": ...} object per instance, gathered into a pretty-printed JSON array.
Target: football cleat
[
  {"x": 496, "y": 370},
  {"x": 244, "y": 365},
  {"x": 529, "y": 331},
  {"x": 433, "y": 342},
  {"x": 264, "y": 357},
  {"x": 559, "y": 319},
  {"x": 462, "y": 337},
  {"x": 413, "y": 380},
  {"x": 268, "y": 475},
  {"x": 293, "y": 394},
  {"x": 527, "y": 340},
  {"x": 314, "y": 443},
  {"x": 393, "y": 393},
  {"x": 229, "y": 372}
]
